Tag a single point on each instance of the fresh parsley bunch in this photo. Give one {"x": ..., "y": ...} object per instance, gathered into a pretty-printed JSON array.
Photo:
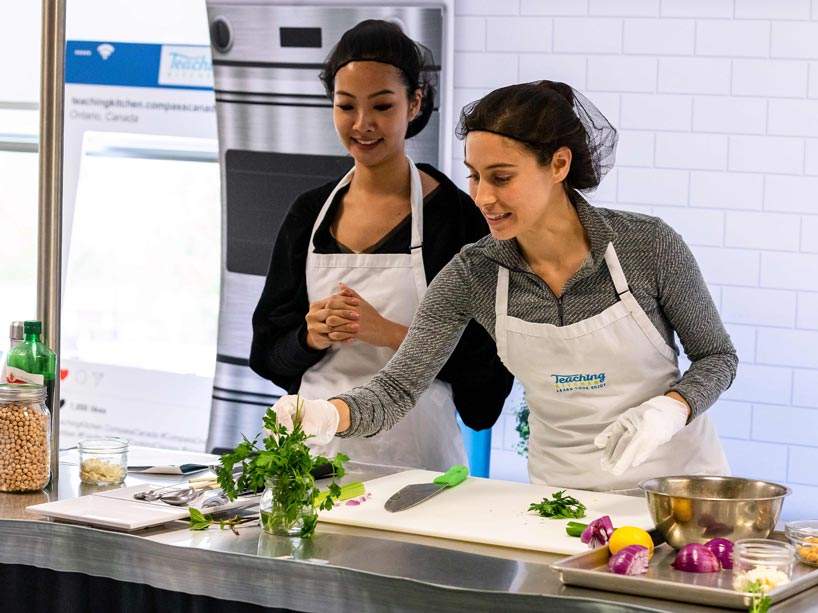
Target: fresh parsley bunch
[
  {"x": 561, "y": 507},
  {"x": 285, "y": 456}
]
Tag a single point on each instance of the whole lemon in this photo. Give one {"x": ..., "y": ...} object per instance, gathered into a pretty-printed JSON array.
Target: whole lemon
[{"x": 630, "y": 535}]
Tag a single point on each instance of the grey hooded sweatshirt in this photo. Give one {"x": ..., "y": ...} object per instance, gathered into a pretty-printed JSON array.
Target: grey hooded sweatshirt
[{"x": 661, "y": 272}]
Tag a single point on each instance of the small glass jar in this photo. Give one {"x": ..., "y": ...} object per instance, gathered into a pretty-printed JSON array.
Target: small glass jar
[
  {"x": 284, "y": 509},
  {"x": 103, "y": 461},
  {"x": 25, "y": 438},
  {"x": 766, "y": 561},
  {"x": 803, "y": 535}
]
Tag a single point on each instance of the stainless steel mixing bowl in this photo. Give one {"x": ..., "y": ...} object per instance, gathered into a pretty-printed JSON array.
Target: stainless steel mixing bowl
[{"x": 695, "y": 509}]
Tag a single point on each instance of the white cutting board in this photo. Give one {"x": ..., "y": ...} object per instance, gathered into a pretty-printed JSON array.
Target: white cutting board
[
  {"x": 118, "y": 509},
  {"x": 486, "y": 511}
]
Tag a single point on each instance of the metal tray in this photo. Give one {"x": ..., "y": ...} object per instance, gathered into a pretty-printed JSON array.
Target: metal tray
[{"x": 590, "y": 569}]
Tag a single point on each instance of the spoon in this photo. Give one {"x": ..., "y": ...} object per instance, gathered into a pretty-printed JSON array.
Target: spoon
[
  {"x": 181, "y": 498},
  {"x": 202, "y": 483},
  {"x": 153, "y": 494},
  {"x": 215, "y": 500}
]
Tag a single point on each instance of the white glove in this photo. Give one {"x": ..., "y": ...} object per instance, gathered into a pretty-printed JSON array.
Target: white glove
[
  {"x": 319, "y": 418},
  {"x": 632, "y": 438}
]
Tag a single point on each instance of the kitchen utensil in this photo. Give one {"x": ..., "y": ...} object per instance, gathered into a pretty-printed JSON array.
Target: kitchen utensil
[
  {"x": 181, "y": 498},
  {"x": 201, "y": 483},
  {"x": 155, "y": 493},
  {"x": 215, "y": 500},
  {"x": 168, "y": 469},
  {"x": 196, "y": 487},
  {"x": 416, "y": 493},
  {"x": 589, "y": 568},
  {"x": 322, "y": 471},
  {"x": 695, "y": 509},
  {"x": 219, "y": 499}
]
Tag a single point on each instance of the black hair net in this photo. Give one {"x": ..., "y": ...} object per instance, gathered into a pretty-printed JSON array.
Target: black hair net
[{"x": 544, "y": 116}]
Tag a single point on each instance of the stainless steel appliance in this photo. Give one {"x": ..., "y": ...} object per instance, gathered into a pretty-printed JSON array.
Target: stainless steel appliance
[{"x": 276, "y": 140}]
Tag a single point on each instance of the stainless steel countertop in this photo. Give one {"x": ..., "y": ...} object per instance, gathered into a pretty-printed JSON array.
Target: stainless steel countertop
[{"x": 341, "y": 568}]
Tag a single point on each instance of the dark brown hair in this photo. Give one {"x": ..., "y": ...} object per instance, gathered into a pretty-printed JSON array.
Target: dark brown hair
[{"x": 544, "y": 116}]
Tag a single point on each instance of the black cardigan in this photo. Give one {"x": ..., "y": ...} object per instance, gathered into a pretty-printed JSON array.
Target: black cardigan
[{"x": 279, "y": 352}]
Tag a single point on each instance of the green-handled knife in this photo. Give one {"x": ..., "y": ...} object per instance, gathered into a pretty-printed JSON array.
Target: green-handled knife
[{"x": 416, "y": 493}]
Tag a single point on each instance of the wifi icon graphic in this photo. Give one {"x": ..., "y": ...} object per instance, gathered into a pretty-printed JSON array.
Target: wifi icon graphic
[{"x": 105, "y": 50}]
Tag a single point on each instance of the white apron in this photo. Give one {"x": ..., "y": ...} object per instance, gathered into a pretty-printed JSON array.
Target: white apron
[
  {"x": 394, "y": 284},
  {"x": 580, "y": 378}
]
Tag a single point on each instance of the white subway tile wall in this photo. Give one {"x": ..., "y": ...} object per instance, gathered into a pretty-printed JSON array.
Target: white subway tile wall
[
  {"x": 524, "y": 34},
  {"x": 811, "y": 157},
  {"x": 813, "y": 73},
  {"x": 717, "y": 106},
  {"x": 694, "y": 75}
]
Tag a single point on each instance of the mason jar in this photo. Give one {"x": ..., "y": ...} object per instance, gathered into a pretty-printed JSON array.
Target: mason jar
[
  {"x": 25, "y": 438},
  {"x": 285, "y": 508},
  {"x": 103, "y": 461}
]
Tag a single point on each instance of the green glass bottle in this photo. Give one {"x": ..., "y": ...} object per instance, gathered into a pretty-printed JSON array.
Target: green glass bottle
[{"x": 32, "y": 361}]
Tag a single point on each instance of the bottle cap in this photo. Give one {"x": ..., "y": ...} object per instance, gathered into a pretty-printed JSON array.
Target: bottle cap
[
  {"x": 16, "y": 332},
  {"x": 33, "y": 327}
]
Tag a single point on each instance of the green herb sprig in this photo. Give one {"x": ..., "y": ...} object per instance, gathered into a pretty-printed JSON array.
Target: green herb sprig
[
  {"x": 200, "y": 521},
  {"x": 761, "y": 602},
  {"x": 284, "y": 456},
  {"x": 561, "y": 507}
]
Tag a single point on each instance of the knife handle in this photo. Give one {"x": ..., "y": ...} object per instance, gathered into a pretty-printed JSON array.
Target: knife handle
[{"x": 456, "y": 474}]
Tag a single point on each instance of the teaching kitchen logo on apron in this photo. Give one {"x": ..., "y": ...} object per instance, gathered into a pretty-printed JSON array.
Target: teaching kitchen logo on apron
[{"x": 573, "y": 383}]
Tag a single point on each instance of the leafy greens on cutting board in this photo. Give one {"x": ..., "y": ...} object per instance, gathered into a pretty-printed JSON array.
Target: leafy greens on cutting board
[
  {"x": 561, "y": 507},
  {"x": 489, "y": 511}
]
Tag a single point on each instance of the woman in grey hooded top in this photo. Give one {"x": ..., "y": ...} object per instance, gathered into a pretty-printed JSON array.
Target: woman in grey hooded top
[{"x": 583, "y": 303}]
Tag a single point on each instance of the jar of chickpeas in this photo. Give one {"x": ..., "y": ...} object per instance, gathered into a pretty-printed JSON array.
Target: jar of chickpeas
[{"x": 25, "y": 438}]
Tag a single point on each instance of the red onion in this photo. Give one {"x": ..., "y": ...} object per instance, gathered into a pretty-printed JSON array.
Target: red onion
[
  {"x": 598, "y": 532},
  {"x": 723, "y": 550},
  {"x": 696, "y": 558},
  {"x": 630, "y": 560}
]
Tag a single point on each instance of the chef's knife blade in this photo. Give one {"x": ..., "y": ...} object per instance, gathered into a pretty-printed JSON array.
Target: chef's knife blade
[
  {"x": 416, "y": 493},
  {"x": 168, "y": 469},
  {"x": 322, "y": 471}
]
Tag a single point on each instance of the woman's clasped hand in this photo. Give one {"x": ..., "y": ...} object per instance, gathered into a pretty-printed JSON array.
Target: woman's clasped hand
[{"x": 346, "y": 317}]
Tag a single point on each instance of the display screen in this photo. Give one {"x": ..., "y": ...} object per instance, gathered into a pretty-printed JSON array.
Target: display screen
[{"x": 300, "y": 37}]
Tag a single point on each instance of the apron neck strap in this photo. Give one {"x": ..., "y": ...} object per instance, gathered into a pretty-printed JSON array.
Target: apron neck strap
[
  {"x": 416, "y": 245},
  {"x": 615, "y": 269},
  {"x": 501, "y": 297},
  {"x": 347, "y": 178},
  {"x": 416, "y": 201}
]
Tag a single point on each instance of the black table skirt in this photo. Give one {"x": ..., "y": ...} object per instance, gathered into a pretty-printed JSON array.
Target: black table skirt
[{"x": 27, "y": 589}]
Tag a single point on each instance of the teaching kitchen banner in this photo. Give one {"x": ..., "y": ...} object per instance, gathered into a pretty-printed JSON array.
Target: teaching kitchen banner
[{"x": 141, "y": 242}]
